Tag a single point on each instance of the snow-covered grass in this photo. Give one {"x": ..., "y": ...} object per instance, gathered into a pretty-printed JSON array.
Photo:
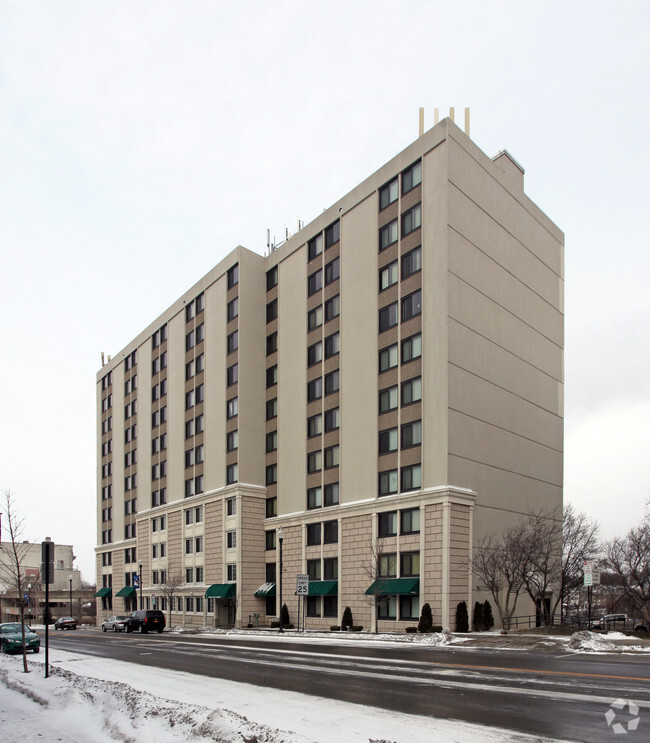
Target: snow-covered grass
[{"x": 98, "y": 700}]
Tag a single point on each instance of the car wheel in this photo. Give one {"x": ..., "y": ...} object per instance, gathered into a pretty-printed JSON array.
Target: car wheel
[
  {"x": 38, "y": 649},
  {"x": 114, "y": 628},
  {"x": 103, "y": 628},
  {"x": 160, "y": 631},
  {"x": 143, "y": 631}
]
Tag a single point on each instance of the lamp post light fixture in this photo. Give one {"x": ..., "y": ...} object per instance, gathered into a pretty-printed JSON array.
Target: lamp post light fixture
[
  {"x": 280, "y": 538},
  {"x": 140, "y": 580},
  {"x": 29, "y": 596},
  {"x": 70, "y": 579}
]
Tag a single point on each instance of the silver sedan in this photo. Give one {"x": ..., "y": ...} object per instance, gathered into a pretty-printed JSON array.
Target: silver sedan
[{"x": 114, "y": 623}]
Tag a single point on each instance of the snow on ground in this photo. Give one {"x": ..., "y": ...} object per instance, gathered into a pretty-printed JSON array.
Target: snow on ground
[{"x": 89, "y": 699}]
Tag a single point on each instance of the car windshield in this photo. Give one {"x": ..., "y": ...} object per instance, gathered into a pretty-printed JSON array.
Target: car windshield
[{"x": 10, "y": 629}]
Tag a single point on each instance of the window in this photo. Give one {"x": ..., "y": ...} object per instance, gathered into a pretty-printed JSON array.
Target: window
[
  {"x": 409, "y": 564},
  {"x": 271, "y": 343},
  {"x": 412, "y": 262},
  {"x": 198, "y": 544},
  {"x": 411, "y": 220},
  {"x": 388, "y": 399},
  {"x": 232, "y": 374},
  {"x": 189, "y": 340},
  {"x": 315, "y": 318},
  {"x": 231, "y": 539},
  {"x": 189, "y": 312},
  {"x": 315, "y": 247},
  {"x": 232, "y": 309},
  {"x": 189, "y": 458},
  {"x": 314, "y": 425},
  {"x": 411, "y": 477},
  {"x": 313, "y": 606},
  {"x": 388, "y": 194},
  {"x": 332, "y": 382},
  {"x": 189, "y": 372},
  {"x": 332, "y": 271},
  {"x": 388, "y": 276},
  {"x": 331, "y": 420},
  {"x": 232, "y": 440},
  {"x": 232, "y": 407},
  {"x": 409, "y": 607},
  {"x": 198, "y": 424},
  {"x": 314, "y": 498},
  {"x": 411, "y": 348},
  {"x": 331, "y": 456},
  {"x": 189, "y": 517},
  {"x": 313, "y": 534},
  {"x": 189, "y": 399},
  {"x": 314, "y": 461},
  {"x": 388, "y": 565},
  {"x": 189, "y": 578},
  {"x": 315, "y": 353},
  {"x": 410, "y": 521},
  {"x": 330, "y": 568},
  {"x": 388, "y": 482},
  {"x": 271, "y": 474},
  {"x": 332, "y": 234},
  {"x": 412, "y": 391},
  {"x": 388, "y": 317},
  {"x": 387, "y": 523},
  {"x": 271, "y": 441},
  {"x": 189, "y": 546},
  {"x": 411, "y": 177},
  {"x": 271, "y": 408},
  {"x": 330, "y": 532},
  {"x": 200, "y": 303},
  {"x": 271, "y": 507},
  {"x": 270, "y": 539},
  {"x": 332, "y": 308},
  {"x": 332, "y": 494},
  {"x": 272, "y": 376},
  {"x": 231, "y": 473},
  {"x": 388, "y": 358},
  {"x": 231, "y": 572},
  {"x": 313, "y": 569},
  {"x": 332, "y": 345},
  {"x": 233, "y": 276},
  {"x": 232, "y": 342},
  {"x": 271, "y": 278},
  {"x": 314, "y": 389},
  {"x": 315, "y": 282},
  {"x": 231, "y": 506},
  {"x": 411, "y": 434},
  {"x": 388, "y": 440},
  {"x": 388, "y": 235},
  {"x": 412, "y": 305},
  {"x": 271, "y": 310}
]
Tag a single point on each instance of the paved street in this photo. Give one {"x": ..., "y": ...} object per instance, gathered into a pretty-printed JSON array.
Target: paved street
[{"x": 548, "y": 693}]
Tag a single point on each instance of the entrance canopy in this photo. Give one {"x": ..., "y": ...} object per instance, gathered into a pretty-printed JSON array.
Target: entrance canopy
[
  {"x": 221, "y": 591},
  {"x": 394, "y": 587},
  {"x": 125, "y": 592},
  {"x": 103, "y": 592}
]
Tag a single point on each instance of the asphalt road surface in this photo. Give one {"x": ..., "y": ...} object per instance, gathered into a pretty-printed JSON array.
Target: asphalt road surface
[{"x": 558, "y": 695}]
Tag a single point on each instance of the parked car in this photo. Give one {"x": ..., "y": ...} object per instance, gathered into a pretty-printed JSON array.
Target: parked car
[
  {"x": 65, "y": 623},
  {"x": 145, "y": 620},
  {"x": 618, "y": 622},
  {"x": 11, "y": 638},
  {"x": 115, "y": 623}
]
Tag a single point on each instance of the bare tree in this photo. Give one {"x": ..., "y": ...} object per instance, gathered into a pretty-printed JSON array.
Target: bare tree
[
  {"x": 168, "y": 589},
  {"x": 580, "y": 542},
  {"x": 378, "y": 569},
  {"x": 498, "y": 563},
  {"x": 628, "y": 558},
  {"x": 11, "y": 560}
]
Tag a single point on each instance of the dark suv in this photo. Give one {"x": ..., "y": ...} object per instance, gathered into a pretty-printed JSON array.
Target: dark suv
[{"x": 145, "y": 620}]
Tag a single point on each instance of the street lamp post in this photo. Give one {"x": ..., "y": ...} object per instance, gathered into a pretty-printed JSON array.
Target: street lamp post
[
  {"x": 70, "y": 579},
  {"x": 29, "y": 596},
  {"x": 140, "y": 580},
  {"x": 280, "y": 538}
]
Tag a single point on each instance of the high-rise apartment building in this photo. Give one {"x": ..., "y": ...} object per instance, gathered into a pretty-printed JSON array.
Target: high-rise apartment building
[{"x": 385, "y": 387}]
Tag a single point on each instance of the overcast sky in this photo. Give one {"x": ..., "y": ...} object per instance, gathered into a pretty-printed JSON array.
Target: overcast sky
[{"x": 140, "y": 142}]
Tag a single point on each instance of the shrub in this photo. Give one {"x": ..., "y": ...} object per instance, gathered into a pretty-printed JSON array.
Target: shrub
[
  {"x": 357, "y": 628},
  {"x": 284, "y": 616},
  {"x": 488, "y": 617},
  {"x": 335, "y": 628},
  {"x": 462, "y": 619},
  {"x": 426, "y": 619},
  {"x": 436, "y": 628},
  {"x": 477, "y": 618},
  {"x": 411, "y": 630},
  {"x": 347, "y": 618}
]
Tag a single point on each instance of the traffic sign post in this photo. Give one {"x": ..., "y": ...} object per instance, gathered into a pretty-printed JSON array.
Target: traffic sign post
[{"x": 302, "y": 590}]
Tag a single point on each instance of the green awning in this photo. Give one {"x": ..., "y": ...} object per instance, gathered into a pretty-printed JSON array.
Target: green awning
[
  {"x": 103, "y": 592},
  {"x": 125, "y": 592},
  {"x": 323, "y": 587},
  {"x": 221, "y": 591},
  {"x": 395, "y": 587},
  {"x": 267, "y": 590}
]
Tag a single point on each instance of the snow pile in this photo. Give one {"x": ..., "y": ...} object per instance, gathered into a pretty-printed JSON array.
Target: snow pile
[
  {"x": 437, "y": 638},
  {"x": 586, "y": 640}
]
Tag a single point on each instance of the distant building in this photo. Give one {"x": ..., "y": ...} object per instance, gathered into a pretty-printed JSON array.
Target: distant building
[
  {"x": 386, "y": 386},
  {"x": 65, "y": 577}
]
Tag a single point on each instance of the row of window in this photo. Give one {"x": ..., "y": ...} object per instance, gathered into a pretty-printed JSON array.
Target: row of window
[
  {"x": 130, "y": 385},
  {"x": 159, "y": 390},
  {"x": 130, "y": 482},
  {"x": 107, "y": 403},
  {"x": 411, "y": 221},
  {"x": 159, "y": 470},
  {"x": 332, "y": 346},
  {"x": 325, "y": 532},
  {"x": 193, "y": 545},
  {"x": 411, "y": 177},
  {"x": 159, "y": 337},
  {"x": 193, "y": 486},
  {"x": 131, "y": 457},
  {"x": 158, "y": 550},
  {"x": 195, "y": 307},
  {"x": 325, "y": 459},
  {"x": 332, "y": 236},
  {"x": 107, "y": 381},
  {"x": 315, "y": 422},
  {"x": 323, "y": 496},
  {"x": 194, "y": 456},
  {"x": 331, "y": 272},
  {"x": 194, "y": 367},
  {"x": 411, "y": 349},
  {"x": 409, "y": 478},
  {"x": 411, "y": 264},
  {"x": 194, "y": 337},
  {"x": 411, "y": 393},
  {"x": 411, "y": 307},
  {"x": 159, "y": 363},
  {"x": 194, "y": 397},
  {"x": 411, "y": 435},
  {"x": 330, "y": 382},
  {"x": 131, "y": 360},
  {"x": 332, "y": 310}
]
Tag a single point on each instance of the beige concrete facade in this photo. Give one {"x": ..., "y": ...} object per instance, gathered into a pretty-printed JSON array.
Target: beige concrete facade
[{"x": 392, "y": 373}]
